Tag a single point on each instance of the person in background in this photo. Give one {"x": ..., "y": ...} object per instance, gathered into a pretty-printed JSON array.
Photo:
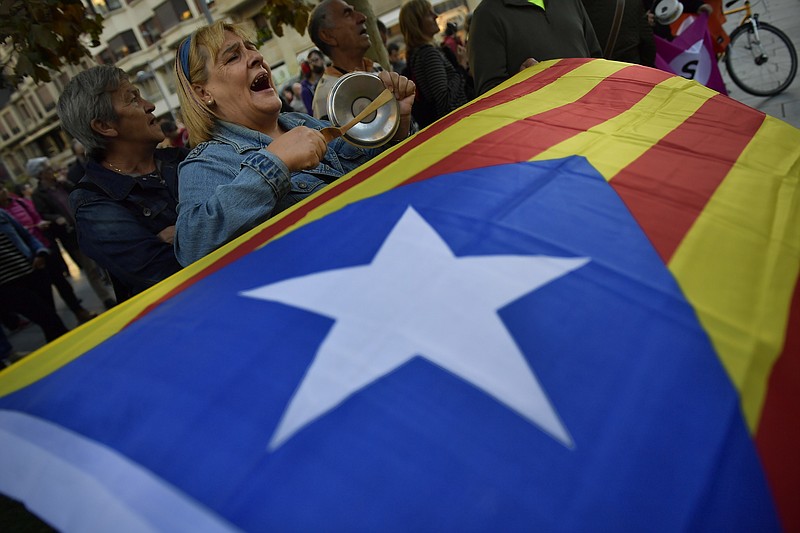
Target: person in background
[
  {"x": 663, "y": 13},
  {"x": 507, "y": 36},
  {"x": 51, "y": 198},
  {"x": 451, "y": 39},
  {"x": 293, "y": 99},
  {"x": 383, "y": 31},
  {"x": 340, "y": 32},
  {"x": 77, "y": 168},
  {"x": 442, "y": 85},
  {"x": 174, "y": 135},
  {"x": 24, "y": 283},
  {"x": 316, "y": 63},
  {"x": 250, "y": 161},
  {"x": 125, "y": 206},
  {"x": 25, "y": 213},
  {"x": 398, "y": 65},
  {"x": 24, "y": 190}
]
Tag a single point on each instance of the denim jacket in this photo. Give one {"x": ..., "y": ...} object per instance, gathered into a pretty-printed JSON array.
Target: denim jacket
[
  {"x": 118, "y": 219},
  {"x": 230, "y": 184},
  {"x": 20, "y": 237}
]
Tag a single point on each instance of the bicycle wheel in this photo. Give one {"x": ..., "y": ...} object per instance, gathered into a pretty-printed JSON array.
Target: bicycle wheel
[{"x": 763, "y": 66}]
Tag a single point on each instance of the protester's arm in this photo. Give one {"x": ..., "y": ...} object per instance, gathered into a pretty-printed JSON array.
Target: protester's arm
[
  {"x": 36, "y": 247},
  {"x": 220, "y": 202},
  {"x": 118, "y": 242}
]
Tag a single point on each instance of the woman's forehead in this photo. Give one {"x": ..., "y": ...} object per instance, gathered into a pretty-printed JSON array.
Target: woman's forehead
[{"x": 230, "y": 41}]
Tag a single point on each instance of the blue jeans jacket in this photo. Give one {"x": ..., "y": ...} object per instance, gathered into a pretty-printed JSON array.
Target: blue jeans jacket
[
  {"x": 230, "y": 184},
  {"x": 20, "y": 237},
  {"x": 118, "y": 219}
]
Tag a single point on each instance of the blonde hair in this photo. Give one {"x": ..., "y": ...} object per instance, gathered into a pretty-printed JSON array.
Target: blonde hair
[
  {"x": 205, "y": 43},
  {"x": 411, "y": 15}
]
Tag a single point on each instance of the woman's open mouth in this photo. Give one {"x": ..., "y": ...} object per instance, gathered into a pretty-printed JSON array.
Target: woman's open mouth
[{"x": 261, "y": 83}]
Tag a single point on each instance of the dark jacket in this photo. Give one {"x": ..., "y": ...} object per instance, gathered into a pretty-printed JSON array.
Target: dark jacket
[
  {"x": 504, "y": 33},
  {"x": 634, "y": 42},
  {"x": 118, "y": 218}
]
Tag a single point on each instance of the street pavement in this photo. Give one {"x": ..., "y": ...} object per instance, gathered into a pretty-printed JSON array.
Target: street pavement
[{"x": 784, "y": 14}]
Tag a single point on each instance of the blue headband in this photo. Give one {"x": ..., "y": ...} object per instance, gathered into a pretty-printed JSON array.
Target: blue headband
[{"x": 183, "y": 57}]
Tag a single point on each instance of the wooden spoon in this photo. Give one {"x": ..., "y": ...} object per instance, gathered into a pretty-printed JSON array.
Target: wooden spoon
[{"x": 332, "y": 132}]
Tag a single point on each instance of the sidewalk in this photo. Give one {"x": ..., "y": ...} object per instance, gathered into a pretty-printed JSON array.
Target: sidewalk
[
  {"x": 31, "y": 337},
  {"x": 784, "y": 15}
]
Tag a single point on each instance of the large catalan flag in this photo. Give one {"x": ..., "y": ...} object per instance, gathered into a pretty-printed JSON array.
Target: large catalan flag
[{"x": 571, "y": 305}]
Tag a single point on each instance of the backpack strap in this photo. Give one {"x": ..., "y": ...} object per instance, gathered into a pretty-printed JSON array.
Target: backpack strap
[{"x": 619, "y": 9}]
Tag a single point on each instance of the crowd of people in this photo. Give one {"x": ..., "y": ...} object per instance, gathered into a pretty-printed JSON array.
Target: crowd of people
[{"x": 137, "y": 204}]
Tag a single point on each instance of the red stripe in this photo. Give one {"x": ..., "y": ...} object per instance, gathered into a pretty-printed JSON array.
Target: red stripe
[
  {"x": 526, "y": 86},
  {"x": 526, "y": 138},
  {"x": 692, "y": 161},
  {"x": 778, "y": 436}
]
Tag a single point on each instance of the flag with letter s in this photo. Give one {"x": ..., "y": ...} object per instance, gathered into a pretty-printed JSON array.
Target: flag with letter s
[
  {"x": 557, "y": 308},
  {"x": 691, "y": 54}
]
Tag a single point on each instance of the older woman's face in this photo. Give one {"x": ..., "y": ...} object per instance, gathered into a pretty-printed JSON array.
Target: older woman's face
[
  {"x": 135, "y": 119},
  {"x": 241, "y": 85}
]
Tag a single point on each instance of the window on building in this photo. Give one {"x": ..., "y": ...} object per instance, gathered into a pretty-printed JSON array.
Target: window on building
[
  {"x": 61, "y": 81},
  {"x": 4, "y": 132},
  {"x": 151, "y": 30},
  {"x": 46, "y": 98},
  {"x": 264, "y": 32},
  {"x": 105, "y": 57},
  {"x": 147, "y": 85},
  {"x": 171, "y": 13},
  {"x": 104, "y": 6},
  {"x": 12, "y": 123},
  {"x": 122, "y": 45},
  {"x": 24, "y": 112}
]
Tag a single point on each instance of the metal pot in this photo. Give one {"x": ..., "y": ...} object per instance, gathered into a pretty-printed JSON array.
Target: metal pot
[{"x": 351, "y": 94}]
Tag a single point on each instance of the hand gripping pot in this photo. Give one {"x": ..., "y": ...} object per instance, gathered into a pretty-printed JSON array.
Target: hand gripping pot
[{"x": 349, "y": 96}]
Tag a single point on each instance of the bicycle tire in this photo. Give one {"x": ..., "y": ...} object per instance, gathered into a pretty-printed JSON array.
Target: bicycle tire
[{"x": 765, "y": 68}]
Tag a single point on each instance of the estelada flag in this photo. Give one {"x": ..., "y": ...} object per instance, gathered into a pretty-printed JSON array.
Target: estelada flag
[
  {"x": 691, "y": 55},
  {"x": 569, "y": 305}
]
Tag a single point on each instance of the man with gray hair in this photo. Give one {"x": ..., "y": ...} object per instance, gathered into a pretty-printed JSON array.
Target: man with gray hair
[
  {"x": 125, "y": 205},
  {"x": 340, "y": 32}
]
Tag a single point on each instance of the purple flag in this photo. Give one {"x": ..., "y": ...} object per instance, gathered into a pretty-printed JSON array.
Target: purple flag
[{"x": 691, "y": 55}]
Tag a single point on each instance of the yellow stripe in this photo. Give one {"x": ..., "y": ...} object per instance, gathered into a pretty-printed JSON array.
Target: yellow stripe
[
  {"x": 75, "y": 343},
  {"x": 616, "y": 143},
  {"x": 749, "y": 238}
]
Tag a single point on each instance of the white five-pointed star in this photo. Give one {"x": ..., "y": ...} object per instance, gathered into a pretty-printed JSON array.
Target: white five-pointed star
[{"x": 417, "y": 299}]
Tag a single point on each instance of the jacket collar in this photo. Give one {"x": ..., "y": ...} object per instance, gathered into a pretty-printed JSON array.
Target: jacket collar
[
  {"x": 119, "y": 186},
  {"x": 525, "y": 3},
  {"x": 243, "y": 138}
]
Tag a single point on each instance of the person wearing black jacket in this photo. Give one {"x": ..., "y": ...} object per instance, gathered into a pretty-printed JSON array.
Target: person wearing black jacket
[{"x": 125, "y": 205}]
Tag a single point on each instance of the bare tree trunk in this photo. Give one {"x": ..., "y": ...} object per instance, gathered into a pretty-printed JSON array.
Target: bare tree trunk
[{"x": 377, "y": 52}]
